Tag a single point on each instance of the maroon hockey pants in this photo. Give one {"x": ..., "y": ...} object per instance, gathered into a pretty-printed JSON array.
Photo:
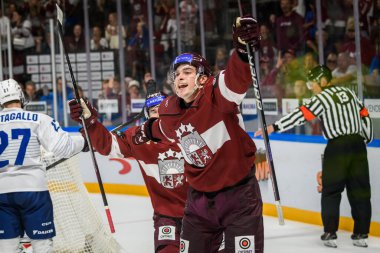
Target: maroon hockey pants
[
  {"x": 166, "y": 233},
  {"x": 236, "y": 211}
]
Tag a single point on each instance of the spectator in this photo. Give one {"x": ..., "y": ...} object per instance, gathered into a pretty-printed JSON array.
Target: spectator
[
  {"x": 12, "y": 7},
  {"x": 98, "y": 11},
  {"x": 328, "y": 46},
  {"x": 365, "y": 7},
  {"x": 221, "y": 58},
  {"x": 43, "y": 43},
  {"x": 133, "y": 93},
  {"x": 75, "y": 42},
  {"x": 98, "y": 43},
  {"x": 36, "y": 14},
  {"x": 21, "y": 32},
  {"x": 366, "y": 46},
  {"x": 112, "y": 31},
  {"x": 310, "y": 20},
  {"x": 290, "y": 28},
  {"x": 139, "y": 11},
  {"x": 143, "y": 90},
  {"x": 138, "y": 48},
  {"x": 171, "y": 30},
  {"x": 267, "y": 45},
  {"x": 106, "y": 90},
  {"x": 336, "y": 22},
  {"x": 162, "y": 12},
  {"x": 267, "y": 84},
  {"x": 133, "y": 89},
  {"x": 332, "y": 60},
  {"x": 60, "y": 103},
  {"x": 105, "y": 93},
  {"x": 345, "y": 72},
  {"x": 31, "y": 93},
  {"x": 309, "y": 62},
  {"x": 115, "y": 86},
  {"x": 188, "y": 23}
]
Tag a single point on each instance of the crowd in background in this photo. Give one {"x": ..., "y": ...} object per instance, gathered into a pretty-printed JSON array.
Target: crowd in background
[{"x": 289, "y": 45}]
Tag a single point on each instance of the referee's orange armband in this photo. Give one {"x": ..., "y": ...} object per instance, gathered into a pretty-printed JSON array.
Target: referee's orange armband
[
  {"x": 307, "y": 113},
  {"x": 364, "y": 112}
]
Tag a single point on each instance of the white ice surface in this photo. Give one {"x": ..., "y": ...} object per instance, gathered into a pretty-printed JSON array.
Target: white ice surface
[{"x": 132, "y": 217}]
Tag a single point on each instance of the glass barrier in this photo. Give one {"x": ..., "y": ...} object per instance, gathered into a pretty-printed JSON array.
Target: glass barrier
[{"x": 116, "y": 46}]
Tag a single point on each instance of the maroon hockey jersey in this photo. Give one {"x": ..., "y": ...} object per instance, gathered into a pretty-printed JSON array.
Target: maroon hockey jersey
[
  {"x": 161, "y": 164},
  {"x": 218, "y": 151}
]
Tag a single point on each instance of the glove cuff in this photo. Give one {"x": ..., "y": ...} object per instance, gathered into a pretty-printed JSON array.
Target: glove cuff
[{"x": 242, "y": 55}]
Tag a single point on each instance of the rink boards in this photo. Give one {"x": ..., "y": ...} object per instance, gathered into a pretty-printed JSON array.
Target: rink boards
[{"x": 297, "y": 159}]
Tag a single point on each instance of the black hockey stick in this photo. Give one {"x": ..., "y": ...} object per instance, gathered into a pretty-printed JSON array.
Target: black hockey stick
[
  {"x": 121, "y": 126},
  {"x": 78, "y": 98},
  {"x": 259, "y": 104}
]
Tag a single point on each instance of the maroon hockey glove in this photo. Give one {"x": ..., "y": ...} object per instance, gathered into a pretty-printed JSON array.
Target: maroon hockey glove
[
  {"x": 85, "y": 148},
  {"x": 86, "y": 109},
  {"x": 143, "y": 133},
  {"x": 245, "y": 30}
]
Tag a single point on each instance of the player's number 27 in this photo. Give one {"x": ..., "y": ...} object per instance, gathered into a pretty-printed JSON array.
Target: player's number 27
[{"x": 25, "y": 133}]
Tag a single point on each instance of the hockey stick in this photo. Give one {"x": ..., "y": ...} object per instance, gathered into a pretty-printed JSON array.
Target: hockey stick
[
  {"x": 259, "y": 104},
  {"x": 136, "y": 117},
  {"x": 151, "y": 88},
  {"x": 77, "y": 97}
]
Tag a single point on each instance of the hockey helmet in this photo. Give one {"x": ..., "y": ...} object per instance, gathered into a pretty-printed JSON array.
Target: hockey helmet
[
  {"x": 153, "y": 100},
  {"x": 10, "y": 90},
  {"x": 193, "y": 59},
  {"x": 316, "y": 73}
]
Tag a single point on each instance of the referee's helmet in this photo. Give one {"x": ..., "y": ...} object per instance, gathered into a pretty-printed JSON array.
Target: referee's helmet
[{"x": 316, "y": 73}]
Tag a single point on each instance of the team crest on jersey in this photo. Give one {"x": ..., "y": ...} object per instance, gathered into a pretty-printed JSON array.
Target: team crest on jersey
[
  {"x": 171, "y": 169},
  {"x": 193, "y": 145}
]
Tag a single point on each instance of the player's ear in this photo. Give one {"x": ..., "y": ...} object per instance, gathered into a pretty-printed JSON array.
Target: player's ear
[
  {"x": 203, "y": 79},
  {"x": 324, "y": 82}
]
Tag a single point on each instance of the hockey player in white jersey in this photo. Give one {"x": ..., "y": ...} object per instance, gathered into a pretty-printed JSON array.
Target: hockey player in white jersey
[{"x": 25, "y": 203}]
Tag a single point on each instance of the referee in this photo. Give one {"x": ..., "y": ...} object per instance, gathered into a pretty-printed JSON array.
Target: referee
[{"x": 348, "y": 127}]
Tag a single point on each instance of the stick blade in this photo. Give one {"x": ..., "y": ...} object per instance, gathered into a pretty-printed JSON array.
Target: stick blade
[{"x": 59, "y": 14}]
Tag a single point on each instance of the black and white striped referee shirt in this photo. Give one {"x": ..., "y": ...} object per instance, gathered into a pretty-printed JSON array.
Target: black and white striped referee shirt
[{"x": 340, "y": 111}]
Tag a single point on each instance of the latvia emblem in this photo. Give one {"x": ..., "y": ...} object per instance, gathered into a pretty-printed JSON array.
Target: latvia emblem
[
  {"x": 171, "y": 169},
  {"x": 193, "y": 145}
]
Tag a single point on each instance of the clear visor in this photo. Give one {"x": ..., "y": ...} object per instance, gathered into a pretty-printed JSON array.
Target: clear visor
[{"x": 309, "y": 84}]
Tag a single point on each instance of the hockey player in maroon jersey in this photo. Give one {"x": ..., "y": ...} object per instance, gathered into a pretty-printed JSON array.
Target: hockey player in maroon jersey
[
  {"x": 202, "y": 119},
  {"x": 161, "y": 164}
]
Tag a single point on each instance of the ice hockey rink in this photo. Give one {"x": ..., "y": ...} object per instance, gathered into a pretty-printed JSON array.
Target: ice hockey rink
[{"x": 132, "y": 217}]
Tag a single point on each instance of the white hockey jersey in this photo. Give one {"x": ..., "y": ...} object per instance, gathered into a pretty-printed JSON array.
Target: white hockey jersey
[{"x": 21, "y": 134}]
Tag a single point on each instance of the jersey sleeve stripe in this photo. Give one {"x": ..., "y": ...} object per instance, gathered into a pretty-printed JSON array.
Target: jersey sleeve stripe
[{"x": 227, "y": 93}]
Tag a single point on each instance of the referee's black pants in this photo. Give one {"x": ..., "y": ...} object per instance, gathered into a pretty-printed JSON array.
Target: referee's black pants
[{"x": 345, "y": 164}]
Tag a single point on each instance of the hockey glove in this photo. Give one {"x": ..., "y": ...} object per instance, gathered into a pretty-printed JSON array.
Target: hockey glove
[
  {"x": 143, "y": 133},
  {"x": 85, "y": 148},
  {"x": 85, "y": 109},
  {"x": 245, "y": 31}
]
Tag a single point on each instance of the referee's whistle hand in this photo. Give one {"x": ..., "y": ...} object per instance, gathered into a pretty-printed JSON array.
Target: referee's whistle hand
[
  {"x": 258, "y": 133},
  {"x": 270, "y": 129}
]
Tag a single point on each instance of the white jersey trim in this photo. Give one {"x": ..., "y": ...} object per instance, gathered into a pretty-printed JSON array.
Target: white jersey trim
[{"x": 227, "y": 93}]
